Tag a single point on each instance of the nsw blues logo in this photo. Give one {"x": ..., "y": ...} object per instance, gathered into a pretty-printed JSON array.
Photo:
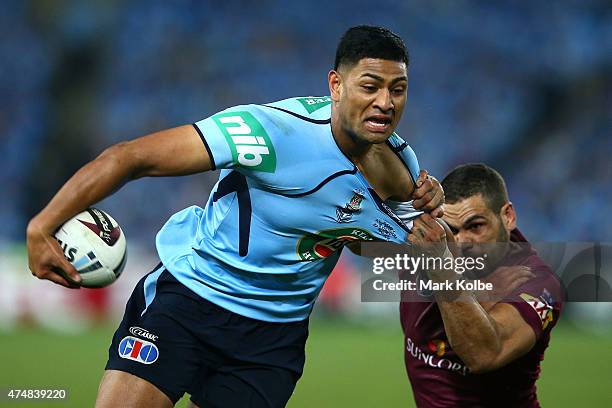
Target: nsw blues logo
[
  {"x": 138, "y": 350},
  {"x": 345, "y": 214}
]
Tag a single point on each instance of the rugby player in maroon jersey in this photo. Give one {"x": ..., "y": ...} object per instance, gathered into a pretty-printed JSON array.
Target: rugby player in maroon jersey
[{"x": 462, "y": 351}]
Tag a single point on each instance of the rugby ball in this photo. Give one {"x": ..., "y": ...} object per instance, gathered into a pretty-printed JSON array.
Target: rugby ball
[{"x": 94, "y": 243}]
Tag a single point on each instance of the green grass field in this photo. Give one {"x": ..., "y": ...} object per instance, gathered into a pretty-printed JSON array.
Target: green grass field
[{"x": 347, "y": 366}]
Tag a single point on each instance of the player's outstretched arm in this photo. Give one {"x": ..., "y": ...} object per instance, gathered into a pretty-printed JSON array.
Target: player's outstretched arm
[
  {"x": 172, "y": 152},
  {"x": 484, "y": 339}
]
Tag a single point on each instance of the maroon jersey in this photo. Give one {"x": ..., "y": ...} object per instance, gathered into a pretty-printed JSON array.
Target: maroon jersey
[{"x": 438, "y": 376}]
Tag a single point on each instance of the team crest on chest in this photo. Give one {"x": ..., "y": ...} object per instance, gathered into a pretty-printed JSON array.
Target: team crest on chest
[{"x": 345, "y": 214}]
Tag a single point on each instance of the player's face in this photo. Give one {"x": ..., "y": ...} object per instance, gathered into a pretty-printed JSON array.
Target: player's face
[
  {"x": 478, "y": 229},
  {"x": 369, "y": 98}
]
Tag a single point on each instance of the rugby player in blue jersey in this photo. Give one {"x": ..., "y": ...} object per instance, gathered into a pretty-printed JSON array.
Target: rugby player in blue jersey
[{"x": 224, "y": 316}]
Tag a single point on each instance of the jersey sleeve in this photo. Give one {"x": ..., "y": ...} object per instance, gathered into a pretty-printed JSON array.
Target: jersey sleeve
[
  {"x": 214, "y": 141},
  {"x": 539, "y": 301},
  {"x": 236, "y": 139},
  {"x": 405, "y": 152},
  {"x": 405, "y": 210}
]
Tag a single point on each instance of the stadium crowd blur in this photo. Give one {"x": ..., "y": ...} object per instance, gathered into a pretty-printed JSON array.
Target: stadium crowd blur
[{"x": 524, "y": 87}]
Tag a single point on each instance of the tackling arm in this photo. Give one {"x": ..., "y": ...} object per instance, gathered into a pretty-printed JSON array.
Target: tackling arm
[
  {"x": 484, "y": 340},
  {"x": 172, "y": 152}
]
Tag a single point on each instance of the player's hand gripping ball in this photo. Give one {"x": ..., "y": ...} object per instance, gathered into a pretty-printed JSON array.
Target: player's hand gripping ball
[{"x": 95, "y": 245}]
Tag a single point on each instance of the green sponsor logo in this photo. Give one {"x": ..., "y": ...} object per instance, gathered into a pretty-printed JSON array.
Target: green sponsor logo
[
  {"x": 250, "y": 144},
  {"x": 311, "y": 104},
  {"x": 324, "y": 243}
]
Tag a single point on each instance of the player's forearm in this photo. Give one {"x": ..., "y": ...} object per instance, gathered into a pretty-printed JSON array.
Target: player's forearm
[
  {"x": 92, "y": 183},
  {"x": 471, "y": 332}
]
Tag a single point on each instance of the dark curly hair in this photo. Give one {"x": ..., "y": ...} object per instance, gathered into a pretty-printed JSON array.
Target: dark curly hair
[{"x": 369, "y": 42}]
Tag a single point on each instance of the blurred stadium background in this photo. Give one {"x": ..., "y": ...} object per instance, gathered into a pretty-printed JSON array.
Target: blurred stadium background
[{"x": 523, "y": 86}]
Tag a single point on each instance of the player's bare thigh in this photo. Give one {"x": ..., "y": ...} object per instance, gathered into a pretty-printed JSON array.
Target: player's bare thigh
[{"x": 124, "y": 390}]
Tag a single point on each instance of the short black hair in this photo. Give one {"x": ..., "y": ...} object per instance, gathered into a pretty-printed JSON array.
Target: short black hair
[
  {"x": 369, "y": 42},
  {"x": 472, "y": 179}
]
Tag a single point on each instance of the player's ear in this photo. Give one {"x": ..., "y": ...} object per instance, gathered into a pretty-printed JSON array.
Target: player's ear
[
  {"x": 335, "y": 81},
  {"x": 508, "y": 216}
]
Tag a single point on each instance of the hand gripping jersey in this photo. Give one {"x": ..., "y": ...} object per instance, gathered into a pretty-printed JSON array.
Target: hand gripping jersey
[{"x": 286, "y": 202}]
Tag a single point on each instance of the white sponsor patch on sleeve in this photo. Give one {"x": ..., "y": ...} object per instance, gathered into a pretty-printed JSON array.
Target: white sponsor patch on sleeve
[{"x": 541, "y": 307}]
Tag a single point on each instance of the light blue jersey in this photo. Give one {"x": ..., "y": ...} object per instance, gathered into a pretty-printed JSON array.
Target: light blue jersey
[{"x": 286, "y": 202}]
